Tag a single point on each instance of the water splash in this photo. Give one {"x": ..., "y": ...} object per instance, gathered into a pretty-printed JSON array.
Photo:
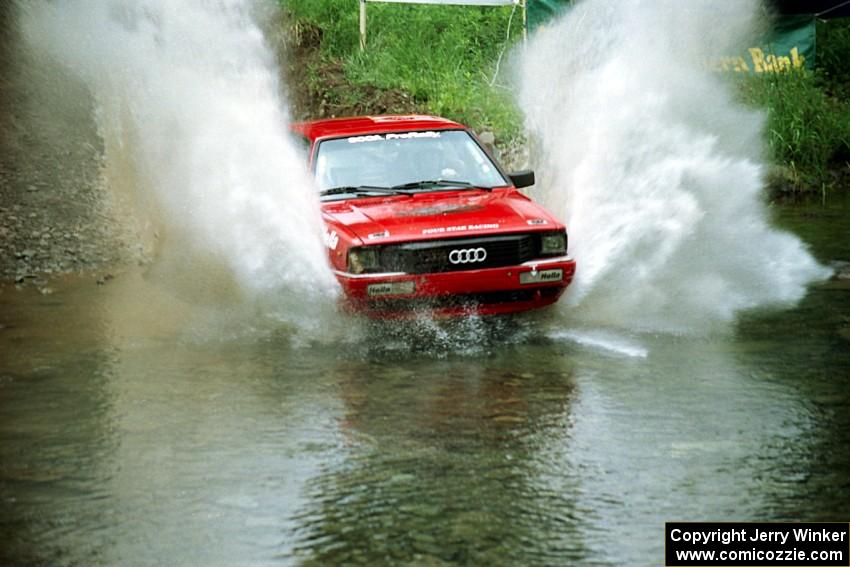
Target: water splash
[
  {"x": 655, "y": 167},
  {"x": 195, "y": 133},
  {"x": 601, "y": 340}
]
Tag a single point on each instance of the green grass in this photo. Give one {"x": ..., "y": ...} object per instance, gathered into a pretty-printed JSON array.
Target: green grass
[
  {"x": 444, "y": 56},
  {"x": 808, "y": 131}
]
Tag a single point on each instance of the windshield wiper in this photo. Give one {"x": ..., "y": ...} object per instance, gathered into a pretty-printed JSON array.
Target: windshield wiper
[
  {"x": 361, "y": 189},
  {"x": 438, "y": 183}
]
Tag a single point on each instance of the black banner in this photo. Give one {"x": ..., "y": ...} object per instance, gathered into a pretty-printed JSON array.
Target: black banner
[{"x": 763, "y": 544}]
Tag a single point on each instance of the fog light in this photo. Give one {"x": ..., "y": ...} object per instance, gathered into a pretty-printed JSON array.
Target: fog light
[{"x": 391, "y": 288}]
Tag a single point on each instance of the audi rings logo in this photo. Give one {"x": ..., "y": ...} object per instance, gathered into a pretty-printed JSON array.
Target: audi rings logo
[{"x": 467, "y": 255}]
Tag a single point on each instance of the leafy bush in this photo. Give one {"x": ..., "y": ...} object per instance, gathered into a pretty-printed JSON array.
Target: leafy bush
[{"x": 833, "y": 56}]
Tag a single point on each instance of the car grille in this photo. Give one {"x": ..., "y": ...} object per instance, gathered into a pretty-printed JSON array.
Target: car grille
[{"x": 433, "y": 256}]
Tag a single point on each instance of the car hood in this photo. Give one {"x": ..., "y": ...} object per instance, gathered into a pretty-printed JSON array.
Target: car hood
[{"x": 438, "y": 214}]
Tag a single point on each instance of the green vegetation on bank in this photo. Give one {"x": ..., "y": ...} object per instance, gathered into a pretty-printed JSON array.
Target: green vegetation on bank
[
  {"x": 807, "y": 132},
  {"x": 808, "y": 114},
  {"x": 443, "y": 59}
]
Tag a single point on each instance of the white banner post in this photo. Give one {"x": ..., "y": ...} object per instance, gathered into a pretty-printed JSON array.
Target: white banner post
[{"x": 362, "y": 25}]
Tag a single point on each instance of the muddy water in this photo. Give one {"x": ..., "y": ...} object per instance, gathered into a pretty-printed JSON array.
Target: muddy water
[{"x": 128, "y": 437}]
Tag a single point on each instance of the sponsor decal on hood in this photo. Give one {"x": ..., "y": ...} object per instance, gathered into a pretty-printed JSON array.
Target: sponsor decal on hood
[{"x": 460, "y": 228}]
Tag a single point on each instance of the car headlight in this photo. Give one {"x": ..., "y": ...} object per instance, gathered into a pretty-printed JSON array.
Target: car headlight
[
  {"x": 363, "y": 260},
  {"x": 553, "y": 243}
]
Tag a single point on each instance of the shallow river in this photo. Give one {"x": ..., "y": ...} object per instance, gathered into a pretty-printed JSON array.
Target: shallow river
[{"x": 125, "y": 440}]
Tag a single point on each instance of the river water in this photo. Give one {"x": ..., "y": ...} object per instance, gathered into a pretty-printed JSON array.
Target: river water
[{"x": 127, "y": 438}]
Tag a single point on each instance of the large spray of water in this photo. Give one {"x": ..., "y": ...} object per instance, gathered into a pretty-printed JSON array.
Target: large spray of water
[
  {"x": 654, "y": 166},
  {"x": 188, "y": 105},
  {"x": 642, "y": 149}
]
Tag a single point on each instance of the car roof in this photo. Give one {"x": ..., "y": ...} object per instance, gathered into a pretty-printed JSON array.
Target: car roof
[{"x": 358, "y": 125}]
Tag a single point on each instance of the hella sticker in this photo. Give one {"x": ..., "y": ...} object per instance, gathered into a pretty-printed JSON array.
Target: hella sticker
[
  {"x": 391, "y": 288},
  {"x": 541, "y": 276},
  {"x": 331, "y": 239}
]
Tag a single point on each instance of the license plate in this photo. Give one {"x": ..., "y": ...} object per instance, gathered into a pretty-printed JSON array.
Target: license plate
[
  {"x": 541, "y": 276},
  {"x": 391, "y": 288}
]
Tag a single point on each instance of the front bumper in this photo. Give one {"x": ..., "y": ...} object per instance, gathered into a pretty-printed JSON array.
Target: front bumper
[{"x": 510, "y": 289}]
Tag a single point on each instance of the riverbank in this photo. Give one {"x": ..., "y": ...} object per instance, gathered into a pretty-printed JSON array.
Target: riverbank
[{"x": 55, "y": 216}]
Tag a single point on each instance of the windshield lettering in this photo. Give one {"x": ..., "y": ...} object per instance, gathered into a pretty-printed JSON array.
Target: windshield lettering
[
  {"x": 409, "y": 135},
  {"x": 392, "y": 136}
]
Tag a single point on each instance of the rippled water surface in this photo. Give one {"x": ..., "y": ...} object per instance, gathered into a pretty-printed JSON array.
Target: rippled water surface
[{"x": 130, "y": 438}]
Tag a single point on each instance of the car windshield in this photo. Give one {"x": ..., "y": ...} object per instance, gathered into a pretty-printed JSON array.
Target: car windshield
[{"x": 402, "y": 158}]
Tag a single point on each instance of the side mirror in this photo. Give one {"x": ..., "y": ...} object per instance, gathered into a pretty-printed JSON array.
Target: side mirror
[{"x": 524, "y": 178}]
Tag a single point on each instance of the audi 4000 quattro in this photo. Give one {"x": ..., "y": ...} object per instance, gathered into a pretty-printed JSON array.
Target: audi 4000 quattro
[{"x": 419, "y": 215}]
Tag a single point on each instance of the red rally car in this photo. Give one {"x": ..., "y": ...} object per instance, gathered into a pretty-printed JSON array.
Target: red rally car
[{"x": 419, "y": 215}]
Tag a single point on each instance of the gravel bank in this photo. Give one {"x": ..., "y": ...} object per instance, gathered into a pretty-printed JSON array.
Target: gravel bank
[{"x": 54, "y": 216}]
